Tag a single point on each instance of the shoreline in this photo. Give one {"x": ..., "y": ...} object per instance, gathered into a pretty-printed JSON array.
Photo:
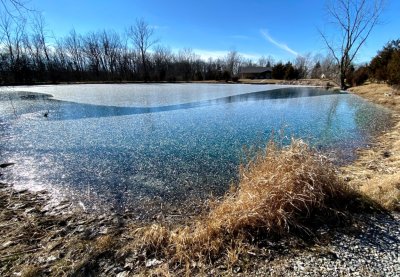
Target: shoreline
[
  {"x": 376, "y": 171},
  {"x": 302, "y": 82},
  {"x": 55, "y": 241}
]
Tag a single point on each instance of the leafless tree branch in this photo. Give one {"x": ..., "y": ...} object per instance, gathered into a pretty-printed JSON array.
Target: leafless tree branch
[{"x": 355, "y": 20}]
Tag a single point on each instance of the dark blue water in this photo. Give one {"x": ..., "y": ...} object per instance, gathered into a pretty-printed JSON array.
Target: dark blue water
[{"x": 105, "y": 155}]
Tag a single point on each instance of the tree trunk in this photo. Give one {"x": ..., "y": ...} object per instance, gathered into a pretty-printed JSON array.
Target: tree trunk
[
  {"x": 343, "y": 81},
  {"x": 145, "y": 74}
]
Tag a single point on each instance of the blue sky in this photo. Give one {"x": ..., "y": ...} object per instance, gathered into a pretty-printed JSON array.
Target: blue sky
[{"x": 254, "y": 28}]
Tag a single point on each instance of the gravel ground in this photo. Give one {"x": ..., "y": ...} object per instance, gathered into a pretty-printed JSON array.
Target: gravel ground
[
  {"x": 370, "y": 246},
  {"x": 372, "y": 250}
]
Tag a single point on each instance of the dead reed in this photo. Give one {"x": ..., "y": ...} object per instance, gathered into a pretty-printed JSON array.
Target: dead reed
[{"x": 281, "y": 191}]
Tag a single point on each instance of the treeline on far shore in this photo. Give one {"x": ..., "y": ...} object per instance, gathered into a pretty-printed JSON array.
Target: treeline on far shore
[{"x": 29, "y": 56}]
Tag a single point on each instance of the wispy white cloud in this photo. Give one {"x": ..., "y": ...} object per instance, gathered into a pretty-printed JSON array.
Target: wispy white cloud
[
  {"x": 206, "y": 54},
  {"x": 280, "y": 45}
]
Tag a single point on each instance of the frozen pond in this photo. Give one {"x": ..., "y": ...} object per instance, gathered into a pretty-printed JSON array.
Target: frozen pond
[
  {"x": 117, "y": 144},
  {"x": 144, "y": 95}
]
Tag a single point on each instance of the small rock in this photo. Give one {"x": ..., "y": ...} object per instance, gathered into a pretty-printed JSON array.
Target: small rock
[
  {"x": 7, "y": 244},
  {"x": 29, "y": 210},
  {"x": 103, "y": 230},
  {"x": 153, "y": 262},
  {"x": 123, "y": 274},
  {"x": 128, "y": 266},
  {"x": 51, "y": 258},
  {"x": 62, "y": 207},
  {"x": 237, "y": 269},
  {"x": 80, "y": 229},
  {"x": 109, "y": 268}
]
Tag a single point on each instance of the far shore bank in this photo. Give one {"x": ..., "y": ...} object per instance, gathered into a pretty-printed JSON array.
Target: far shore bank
[
  {"x": 325, "y": 83},
  {"x": 39, "y": 240}
]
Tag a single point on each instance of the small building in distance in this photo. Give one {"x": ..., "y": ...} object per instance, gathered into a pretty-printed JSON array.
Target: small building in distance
[{"x": 255, "y": 72}]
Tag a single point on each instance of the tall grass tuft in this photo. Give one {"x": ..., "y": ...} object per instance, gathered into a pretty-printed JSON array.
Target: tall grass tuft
[{"x": 281, "y": 191}]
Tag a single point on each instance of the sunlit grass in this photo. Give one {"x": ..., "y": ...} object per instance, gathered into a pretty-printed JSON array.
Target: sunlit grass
[{"x": 376, "y": 172}]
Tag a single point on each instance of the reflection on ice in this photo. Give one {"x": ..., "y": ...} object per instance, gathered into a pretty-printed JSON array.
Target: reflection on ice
[{"x": 116, "y": 154}]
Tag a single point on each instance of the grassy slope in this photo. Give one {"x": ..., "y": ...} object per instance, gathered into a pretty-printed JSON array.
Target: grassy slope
[{"x": 377, "y": 170}]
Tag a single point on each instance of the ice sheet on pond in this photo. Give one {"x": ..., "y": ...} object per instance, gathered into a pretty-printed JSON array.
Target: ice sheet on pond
[
  {"x": 144, "y": 95},
  {"x": 117, "y": 155}
]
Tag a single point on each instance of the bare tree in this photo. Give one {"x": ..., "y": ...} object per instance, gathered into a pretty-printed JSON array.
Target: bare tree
[
  {"x": 232, "y": 62},
  {"x": 142, "y": 36},
  {"x": 303, "y": 64},
  {"x": 93, "y": 53},
  {"x": 329, "y": 67},
  {"x": 162, "y": 58},
  {"x": 14, "y": 8},
  {"x": 354, "y": 21},
  {"x": 266, "y": 61},
  {"x": 111, "y": 45},
  {"x": 73, "y": 44},
  {"x": 12, "y": 36},
  {"x": 40, "y": 36},
  {"x": 184, "y": 61}
]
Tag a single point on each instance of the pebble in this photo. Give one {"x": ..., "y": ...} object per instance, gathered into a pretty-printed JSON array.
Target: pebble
[
  {"x": 373, "y": 251},
  {"x": 153, "y": 262}
]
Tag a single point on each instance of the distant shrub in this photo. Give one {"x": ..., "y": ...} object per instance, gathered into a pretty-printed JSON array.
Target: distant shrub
[
  {"x": 171, "y": 79},
  {"x": 379, "y": 66},
  {"x": 291, "y": 73},
  {"x": 360, "y": 76},
  {"x": 198, "y": 76},
  {"x": 285, "y": 71},
  {"x": 278, "y": 71},
  {"x": 235, "y": 79},
  {"x": 226, "y": 75},
  {"x": 394, "y": 69}
]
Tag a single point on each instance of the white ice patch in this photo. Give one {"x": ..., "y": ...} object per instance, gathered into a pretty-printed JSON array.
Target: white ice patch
[{"x": 144, "y": 95}]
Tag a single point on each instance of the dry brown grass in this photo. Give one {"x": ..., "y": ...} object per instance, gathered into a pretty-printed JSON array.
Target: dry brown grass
[
  {"x": 30, "y": 271},
  {"x": 376, "y": 173},
  {"x": 281, "y": 191},
  {"x": 326, "y": 83},
  {"x": 381, "y": 94}
]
